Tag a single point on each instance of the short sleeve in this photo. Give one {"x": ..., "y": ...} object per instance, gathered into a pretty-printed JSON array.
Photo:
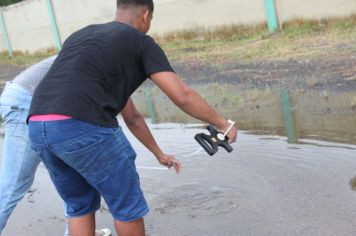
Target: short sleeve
[{"x": 154, "y": 59}]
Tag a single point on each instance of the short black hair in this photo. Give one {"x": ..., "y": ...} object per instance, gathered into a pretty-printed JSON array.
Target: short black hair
[{"x": 126, "y": 3}]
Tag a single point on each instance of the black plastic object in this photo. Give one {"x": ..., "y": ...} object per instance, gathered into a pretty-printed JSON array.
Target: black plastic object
[{"x": 211, "y": 142}]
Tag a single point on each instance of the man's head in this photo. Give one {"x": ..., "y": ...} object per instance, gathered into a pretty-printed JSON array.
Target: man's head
[
  {"x": 137, "y": 13},
  {"x": 137, "y": 3}
]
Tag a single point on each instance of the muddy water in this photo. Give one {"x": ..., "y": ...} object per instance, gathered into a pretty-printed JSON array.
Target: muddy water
[
  {"x": 319, "y": 113},
  {"x": 265, "y": 187}
]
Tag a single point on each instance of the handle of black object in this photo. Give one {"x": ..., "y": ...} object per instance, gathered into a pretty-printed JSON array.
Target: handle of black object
[
  {"x": 206, "y": 142},
  {"x": 211, "y": 142}
]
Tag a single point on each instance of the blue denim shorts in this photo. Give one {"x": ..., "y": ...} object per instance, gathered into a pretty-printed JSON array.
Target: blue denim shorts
[{"x": 85, "y": 161}]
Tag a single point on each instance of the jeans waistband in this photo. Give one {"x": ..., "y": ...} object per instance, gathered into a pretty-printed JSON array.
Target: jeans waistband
[{"x": 60, "y": 125}]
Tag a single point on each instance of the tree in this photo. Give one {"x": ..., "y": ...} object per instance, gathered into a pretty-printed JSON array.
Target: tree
[{"x": 8, "y": 2}]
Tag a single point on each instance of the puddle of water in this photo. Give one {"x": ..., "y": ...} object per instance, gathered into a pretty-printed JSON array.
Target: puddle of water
[{"x": 265, "y": 182}]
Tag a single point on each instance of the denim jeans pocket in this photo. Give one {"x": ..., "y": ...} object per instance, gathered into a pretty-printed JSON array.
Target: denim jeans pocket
[
  {"x": 12, "y": 117},
  {"x": 11, "y": 114},
  {"x": 93, "y": 161},
  {"x": 82, "y": 146},
  {"x": 89, "y": 140}
]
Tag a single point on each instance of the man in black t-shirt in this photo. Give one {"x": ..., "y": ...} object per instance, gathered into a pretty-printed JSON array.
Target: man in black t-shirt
[{"x": 73, "y": 125}]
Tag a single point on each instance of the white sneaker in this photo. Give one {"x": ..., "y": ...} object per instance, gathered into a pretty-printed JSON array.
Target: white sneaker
[{"x": 103, "y": 232}]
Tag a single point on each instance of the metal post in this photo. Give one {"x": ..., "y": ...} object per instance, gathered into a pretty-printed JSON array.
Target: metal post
[
  {"x": 272, "y": 20},
  {"x": 5, "y": 33},
  {"x": 287, "y": 114},
  {"x": 150, "y": 108},
  {"x": 54, "y": 24}
]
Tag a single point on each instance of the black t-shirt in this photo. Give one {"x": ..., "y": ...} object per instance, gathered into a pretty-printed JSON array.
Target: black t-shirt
[{"x": 96, "y": 72}]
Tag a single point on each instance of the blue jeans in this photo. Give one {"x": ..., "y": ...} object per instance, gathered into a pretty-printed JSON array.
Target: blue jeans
[
  {"x": 85, "y": 161},
  {"x": 19, "y": 161}
]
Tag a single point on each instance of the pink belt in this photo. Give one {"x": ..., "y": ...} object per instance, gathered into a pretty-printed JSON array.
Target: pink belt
[{"x": 49, "y": 117}]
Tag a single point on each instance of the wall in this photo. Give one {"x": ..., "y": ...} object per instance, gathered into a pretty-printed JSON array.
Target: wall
[
  {"x": 314, "y": 9},
  {"x": 29, "y": 25},
  {"x": 172, "y": 15},
  {"x": 75, "y": 14}
]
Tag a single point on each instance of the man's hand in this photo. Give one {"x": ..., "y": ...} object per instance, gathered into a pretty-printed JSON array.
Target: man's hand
[
  {"x": 232, "y": 134},
  {"x": 169, "y": 161},
  {"x": 137, "y": 125}
]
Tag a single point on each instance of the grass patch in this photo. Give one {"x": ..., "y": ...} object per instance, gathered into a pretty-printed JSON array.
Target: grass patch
[
  {"x": 226, "y": 32},
  {"x": 299, "y": 27},
  {"x": 25, "y": 59},
  {"x": 298, "y": 38}
]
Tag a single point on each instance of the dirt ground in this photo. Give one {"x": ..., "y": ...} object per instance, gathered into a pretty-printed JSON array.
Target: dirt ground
[
  {"x": 334, "y": 72},
  {"x": 8, "y": 72}
]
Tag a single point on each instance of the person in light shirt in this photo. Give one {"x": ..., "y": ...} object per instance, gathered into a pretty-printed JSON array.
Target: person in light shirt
[{"x": 19, "y": 161}]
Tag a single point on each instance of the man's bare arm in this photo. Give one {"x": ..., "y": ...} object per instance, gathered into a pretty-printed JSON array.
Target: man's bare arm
[
  {"x": 191, "y": 102},
  {"x": 137, "y": 125}
]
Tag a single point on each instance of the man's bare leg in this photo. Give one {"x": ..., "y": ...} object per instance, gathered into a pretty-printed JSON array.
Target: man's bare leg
[
  {"x": 82, "y": 226},
  {"x": 133, "y": 228}
]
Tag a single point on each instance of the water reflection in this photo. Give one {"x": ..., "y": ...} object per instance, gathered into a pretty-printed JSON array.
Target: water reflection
[
  {"x": 317, "y": 113},
  {"x": 353, "y": 183}
]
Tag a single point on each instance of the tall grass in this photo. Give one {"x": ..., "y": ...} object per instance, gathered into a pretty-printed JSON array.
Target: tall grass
[
  {"x": 227, "y": 43},
  {"x": 225, "y": 32},
  {"x": 296, "y": 27},
  {"x": 25, "y": 58},
  {"x": 299, "y": 27}
]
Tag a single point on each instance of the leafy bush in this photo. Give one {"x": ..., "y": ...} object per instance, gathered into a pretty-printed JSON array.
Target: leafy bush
[{"x": 8, "y": 2}]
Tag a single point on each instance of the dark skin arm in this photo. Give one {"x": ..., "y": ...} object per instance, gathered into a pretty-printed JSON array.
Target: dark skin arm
[
  {"x": 137, "y": 125},
  {"x": 191, "y": 102}
]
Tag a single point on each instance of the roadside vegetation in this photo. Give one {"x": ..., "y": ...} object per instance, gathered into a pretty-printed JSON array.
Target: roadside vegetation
[
  {"x": 298, "y": 38},
  {"x": 21, "y": 58},
  {"x": 8, "y": 2}
]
